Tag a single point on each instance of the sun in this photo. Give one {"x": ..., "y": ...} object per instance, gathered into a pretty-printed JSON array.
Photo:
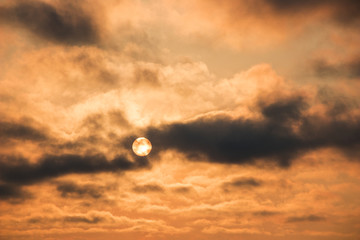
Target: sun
[{"x": 141, "y": 146}]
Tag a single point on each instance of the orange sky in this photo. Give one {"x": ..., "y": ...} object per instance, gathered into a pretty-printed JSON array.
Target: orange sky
[{"x": 252, "y": 108}]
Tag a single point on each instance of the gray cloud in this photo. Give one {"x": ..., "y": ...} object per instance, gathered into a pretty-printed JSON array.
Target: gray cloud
[
  {"x": 148, "y": 188},
  {"x": 345, "y": 12},
  {"x": 265, "y": 213},
  {"x": 20, "y": 171},
  {"x": 307, "y": 218},
  {"x": 20, "y": 131},
  {"x": 349, "y": 69},
  {"x": 81, "y": 219},
  {"x": 69, "y": 25},
  {"x": 72, "y": 219},
  {"x": 73, "y": 190},
  {"x": 245, "y": 182},
  {"x": 13, "y": 193},
  {"x": 242, "y": 141}
]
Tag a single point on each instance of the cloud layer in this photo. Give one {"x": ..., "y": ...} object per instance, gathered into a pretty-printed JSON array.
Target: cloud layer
[{"x": 252, "y": 109}]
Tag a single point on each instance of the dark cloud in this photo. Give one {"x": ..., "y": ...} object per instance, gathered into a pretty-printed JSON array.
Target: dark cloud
[
  {"x": 284, "y": 133},
  {"x": 20, "y": 131},
  {"x": 68, "y": 25},
  {"x": 73, "y": 190},
  {"x": 148, "y": 188},
  {"x": 13, "y": 193},
  {"x": 307, "y": 218},
  {"x": 20, "y": 171},
  {"x": 282, "y": 111}
]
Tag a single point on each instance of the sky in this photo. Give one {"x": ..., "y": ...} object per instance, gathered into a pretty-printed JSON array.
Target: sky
[{"x": 252, "y": 109}]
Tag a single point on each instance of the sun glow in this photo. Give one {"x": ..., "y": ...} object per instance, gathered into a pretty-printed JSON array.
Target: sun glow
[{"x": 141, "y": 146}]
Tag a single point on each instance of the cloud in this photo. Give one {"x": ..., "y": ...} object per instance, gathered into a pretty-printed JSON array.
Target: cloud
[
  {"x": 67, "y": 25},
  {"x": 20, "y": 131},
  {"x": 92, "y": 217},
  {"x": 344, "y": 12},
  {"x": 73, "y": 190},
  {"x": 266, "y": 23},
  {"x": 350, "y": 68},
  {"x": 285, "y": 132},
  {"x": 307, "y": 218},
  {"x": 242, "y": 183},
  {"x": 146, "y": 76},
  {"x": 148, "y": 188},
  {"x": 182, "y": 190},
  {"x": 80, "y": 219},
  {"x": 265, "y": 213},
  {"x": 21, "y": 172},
  {"x": 13, "y": 193}
]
